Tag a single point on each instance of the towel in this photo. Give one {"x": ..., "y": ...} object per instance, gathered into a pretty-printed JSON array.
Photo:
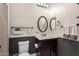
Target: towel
[
  {"x": 66, "y": 29},
  {"x": 23, "y": 46},
  {"x": 70, "y": 30}
]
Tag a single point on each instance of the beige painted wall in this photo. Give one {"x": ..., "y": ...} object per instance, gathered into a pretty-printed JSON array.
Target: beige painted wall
[{"x": 27, "y": 14}]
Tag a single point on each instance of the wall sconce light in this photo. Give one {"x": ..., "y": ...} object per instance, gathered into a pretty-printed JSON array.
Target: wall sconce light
[{"x": 42, "y": 5}]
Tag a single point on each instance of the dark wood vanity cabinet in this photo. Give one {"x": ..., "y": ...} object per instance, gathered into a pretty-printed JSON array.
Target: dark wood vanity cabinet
[
  {"x": 47, "y": 47},
  {"x": 58, "y": 47},
  {"x": 44, "y": 48}
]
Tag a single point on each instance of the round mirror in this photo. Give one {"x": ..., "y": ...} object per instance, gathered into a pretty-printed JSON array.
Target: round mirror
[
  {"x": 53, "y": 24},
  {"x": 42, "y": 23}
]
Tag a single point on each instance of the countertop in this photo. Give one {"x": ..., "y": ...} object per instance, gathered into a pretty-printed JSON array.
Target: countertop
[
  {"x": 40, "y": 38},
  {"x": 16, "y": 36},
  {"x": 37, "y": 36},
  {"x": 68, "y": 39}
]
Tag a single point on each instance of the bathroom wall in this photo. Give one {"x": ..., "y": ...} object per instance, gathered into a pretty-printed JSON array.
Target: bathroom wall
[{"x": 27, "y": 14}]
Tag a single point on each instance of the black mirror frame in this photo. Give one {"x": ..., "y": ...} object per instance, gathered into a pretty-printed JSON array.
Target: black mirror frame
[
  {"x": 46, "y": 23},
  {"x": 51, "y": 22}
]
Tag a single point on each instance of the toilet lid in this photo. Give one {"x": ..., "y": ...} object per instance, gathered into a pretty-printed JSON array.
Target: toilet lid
[{"x": 24, "y": 54}]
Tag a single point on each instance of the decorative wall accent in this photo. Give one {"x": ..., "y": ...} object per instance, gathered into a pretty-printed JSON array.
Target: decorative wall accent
[
  {"x": 42, "y": 24},
  {"x": 52, "y": 24}
]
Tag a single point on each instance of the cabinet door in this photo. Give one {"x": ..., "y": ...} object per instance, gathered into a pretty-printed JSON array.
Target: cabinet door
[
  {"x": 54, "y": 51},
  {"x": 45, "y": 48},
  {"x": 4, "y": 29},
  {"x": 1, "y": 28},
  {"x": 48, "y": 47}
]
